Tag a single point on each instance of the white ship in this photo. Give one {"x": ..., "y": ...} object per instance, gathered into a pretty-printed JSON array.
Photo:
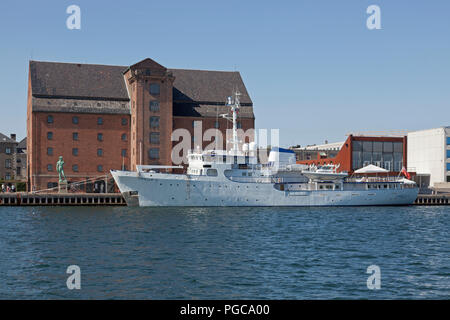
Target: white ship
[{"x": 235, "y": 178}]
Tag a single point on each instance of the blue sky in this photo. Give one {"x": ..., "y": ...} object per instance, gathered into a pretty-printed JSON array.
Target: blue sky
[{"x": 312, "y": 68}]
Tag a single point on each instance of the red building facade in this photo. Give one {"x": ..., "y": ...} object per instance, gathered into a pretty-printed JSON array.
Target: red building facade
[{"x": 360, "y": 151}]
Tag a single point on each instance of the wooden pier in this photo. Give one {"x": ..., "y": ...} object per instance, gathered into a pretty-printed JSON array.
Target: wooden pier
[
  {"x": 61, "y": 199},
  {"x": 116, "y": 199},
  {"x": 433, "y": 199}
]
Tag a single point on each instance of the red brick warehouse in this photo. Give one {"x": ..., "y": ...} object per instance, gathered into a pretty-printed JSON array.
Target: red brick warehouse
[{"x": 101, "y": 117}]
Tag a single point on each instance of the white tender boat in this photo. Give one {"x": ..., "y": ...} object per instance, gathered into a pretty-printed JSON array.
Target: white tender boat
[{"x": 235, "y": 178}]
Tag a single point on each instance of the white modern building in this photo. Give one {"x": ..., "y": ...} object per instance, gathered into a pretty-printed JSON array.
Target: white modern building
[{"x": 429, "y": 154}]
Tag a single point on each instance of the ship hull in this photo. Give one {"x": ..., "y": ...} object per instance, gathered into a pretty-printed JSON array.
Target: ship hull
[{"x": 167, "y": 190}]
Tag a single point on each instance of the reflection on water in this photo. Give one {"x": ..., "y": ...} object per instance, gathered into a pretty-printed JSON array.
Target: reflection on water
[{"x": 224, "y": 253}]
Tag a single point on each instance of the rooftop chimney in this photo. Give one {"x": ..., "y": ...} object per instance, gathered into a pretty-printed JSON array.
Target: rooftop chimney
[{"x": 13, "y": 136}]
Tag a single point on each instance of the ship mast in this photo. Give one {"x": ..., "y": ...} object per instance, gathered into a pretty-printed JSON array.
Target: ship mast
[{"x": 234, "y": 104}]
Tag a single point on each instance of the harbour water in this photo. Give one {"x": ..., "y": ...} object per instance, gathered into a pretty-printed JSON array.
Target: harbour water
[{"x": 225, "y": 253}]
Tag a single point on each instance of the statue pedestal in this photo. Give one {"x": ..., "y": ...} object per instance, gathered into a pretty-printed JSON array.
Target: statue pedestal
[{"x": 62, "y": 187}]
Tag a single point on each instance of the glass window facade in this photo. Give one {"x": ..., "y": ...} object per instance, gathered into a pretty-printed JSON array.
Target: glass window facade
[
  {"x": 448, "y": 166},
  {"x": 448, "y": 141},
  {"x": 448, "y": 154},
  {"x": 388, "y": 155}
]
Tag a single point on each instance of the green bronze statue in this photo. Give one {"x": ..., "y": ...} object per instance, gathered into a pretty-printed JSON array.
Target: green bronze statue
[{"x": 60, "y": 169}]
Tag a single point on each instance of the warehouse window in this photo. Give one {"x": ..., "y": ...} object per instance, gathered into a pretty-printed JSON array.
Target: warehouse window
[
  {"x": 99, "y": 120},
  {"x": 154, "y": 122},
  {"x": 154, "y": 88},
  {"x": 216, "y": 124},
  {"x": 153, "y": 153},
  {"x": 75, "y": 168},
  {"x": 75, "y": 136},
  {"x": 49, "y": 135},
  {"x": 49, "y": 167},
  {"x": 75, "y": 120},
  {"x": 49, "y": 119},
  {"x": 154, "y": 137},
  {"x": 99, "y": 152},
  {"x": 99, "y": 168},
  {"x": 8, "y": 163},
  {"x": 100, "y": 136},
  {"x": 154, "y": 106},
  {"x": 124, "y": 121},
  {"x": 124, "y": 152},
  {"x": 8, "y": 150},
  {"x": 124, "y": 137},
  {"x": 7, "y": 176},
  {"x": 75, "y": 151},
  {"x": 50, "y": 151}
]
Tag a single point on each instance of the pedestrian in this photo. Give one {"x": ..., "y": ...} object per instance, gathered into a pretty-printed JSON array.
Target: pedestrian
[
  {"x": 13, "y": 188},
  {"x": 3, "y": 187},
  {"x": 7, "y": 189}
]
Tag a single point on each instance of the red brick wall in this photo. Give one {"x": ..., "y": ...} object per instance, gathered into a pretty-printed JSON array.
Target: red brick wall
[{"x": 87, "y": 144}]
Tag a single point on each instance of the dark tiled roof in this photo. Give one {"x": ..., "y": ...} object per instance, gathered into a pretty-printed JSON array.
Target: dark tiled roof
[
  {"x": 208, "y": 86},
  {"x": 206, "y": 110},
  {"x": 22, "y": 144},
  {"x": 80, "y": 106},
  {"x": 4, "y": 138},
  {"x": 72, "y": 80}
]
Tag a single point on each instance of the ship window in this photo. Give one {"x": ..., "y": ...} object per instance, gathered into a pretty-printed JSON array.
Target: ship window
[{"x": 211, "y": 172}]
